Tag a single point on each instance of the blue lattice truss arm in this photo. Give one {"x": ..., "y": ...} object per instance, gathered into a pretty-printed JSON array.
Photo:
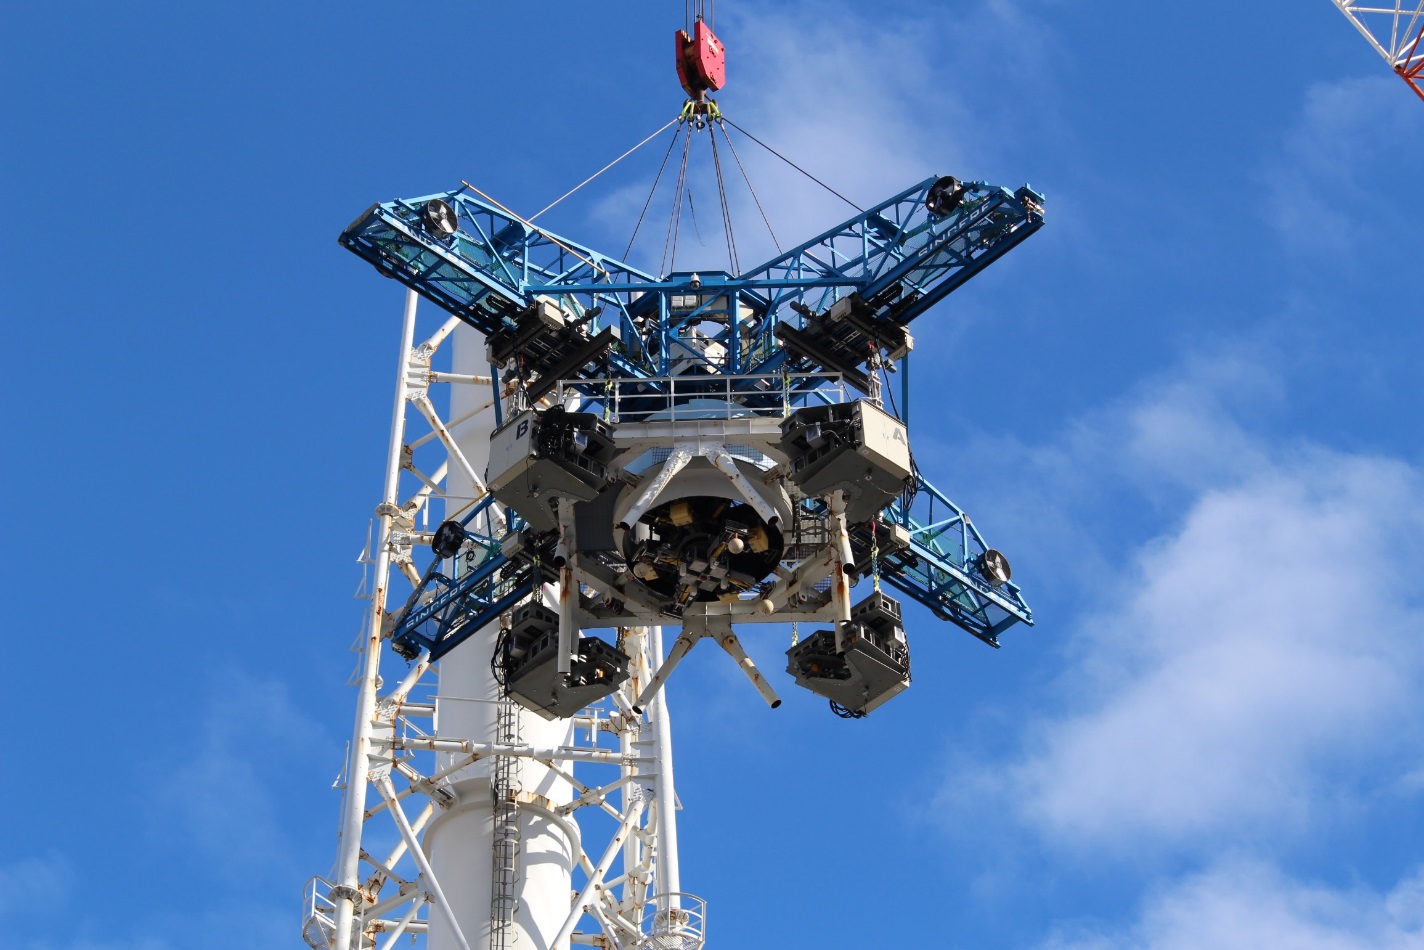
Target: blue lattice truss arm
[
  {"x": 898, "y": 257},
  {"x": 444, "y": 610},
  {"x": 942, "y": 569}
]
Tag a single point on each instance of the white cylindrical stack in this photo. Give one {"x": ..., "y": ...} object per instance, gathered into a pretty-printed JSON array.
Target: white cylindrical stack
[{"x": 460, "y": 840}]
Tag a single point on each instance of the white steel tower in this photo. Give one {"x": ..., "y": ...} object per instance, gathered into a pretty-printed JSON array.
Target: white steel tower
[{"x": 460, "y": 807}]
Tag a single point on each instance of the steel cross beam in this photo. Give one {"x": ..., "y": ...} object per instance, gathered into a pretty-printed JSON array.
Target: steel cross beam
[{"x": 940, "y": 567}]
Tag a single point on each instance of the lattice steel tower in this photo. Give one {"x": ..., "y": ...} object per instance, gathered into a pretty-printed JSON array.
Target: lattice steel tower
[{"x": 1396, "y": 32}]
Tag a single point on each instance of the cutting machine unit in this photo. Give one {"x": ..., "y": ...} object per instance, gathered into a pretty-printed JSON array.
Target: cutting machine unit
[
  {"x": 526, "y": 655},
  {"x": 861, "y": 664}
]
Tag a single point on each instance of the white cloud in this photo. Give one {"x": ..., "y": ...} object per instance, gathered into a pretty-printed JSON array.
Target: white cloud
[
  {"x": 1267, "y": 637},
  {"x": 1253, "y": 667},
  {"x": 1183, "y": 431},
  {"x": 32, "y": 887},
  {"x": 1240, "y": 904},
  {"x": 1318, "y": 200},
  {"x": 226, "y": 777}
]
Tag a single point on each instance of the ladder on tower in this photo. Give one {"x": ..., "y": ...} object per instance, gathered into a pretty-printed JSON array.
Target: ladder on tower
[{"x": 504, "y": 879}]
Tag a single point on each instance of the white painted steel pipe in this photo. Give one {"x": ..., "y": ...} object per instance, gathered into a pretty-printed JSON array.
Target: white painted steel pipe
[
  {"x": 727, "y": 465},
  {"x": 348, "y": 858},
  {"x": 418, "y": 824},
  {"x": 438, "y": 337},
  {"x": 728, "y": 641},
  {"x": 600, "y": 870},
  {"x": 669, "y": 874},
  {"x": 395, "y": 933},
  {"x": 680, "y": 647},
  {"x": 427, "y": 409},
  {"x": 483, "y": 750},
  {"x": 417, "y": 670},
  {"x": 378, "y": 910},
  {"x": 465, "y": 378},
  {"x": 675, "y": 463}
]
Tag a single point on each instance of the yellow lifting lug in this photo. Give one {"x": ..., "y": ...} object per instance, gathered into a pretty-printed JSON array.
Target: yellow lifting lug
[{"x": 701, "y": 110}]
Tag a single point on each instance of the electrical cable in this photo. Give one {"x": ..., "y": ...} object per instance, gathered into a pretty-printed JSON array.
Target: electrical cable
[
  {"x": 889, "y": 391},
  {"x": 794, "y": 165}
]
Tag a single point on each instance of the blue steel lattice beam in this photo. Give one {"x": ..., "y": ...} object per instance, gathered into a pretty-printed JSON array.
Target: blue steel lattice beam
[
  {"x": 443, "y": 611},
  {"x": 900, "y": 257},
  {"x": 943, "y": 568}
]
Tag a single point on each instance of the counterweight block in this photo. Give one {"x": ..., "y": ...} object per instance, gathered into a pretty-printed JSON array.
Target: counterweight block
[
  {"x": 528, "y": 656},
  {"x": 862, "y": 664}
]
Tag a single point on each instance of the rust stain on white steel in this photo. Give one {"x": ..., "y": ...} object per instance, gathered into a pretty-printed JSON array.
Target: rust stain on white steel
[
  {"x": 728, "y": 641},
  {"x": 680, "y": 647},
  {"x": 846, "y": 561},
  {"x": 568, "y": 588}
]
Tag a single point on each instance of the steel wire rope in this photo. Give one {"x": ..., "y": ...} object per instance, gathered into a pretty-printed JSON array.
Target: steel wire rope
[
  {"x": 726, "y": 209},
  {"x": 747, "y": 178},
  {"x": 538, "y": 230},
  {"x": 605, "y": 168},
  {"x": 675, "y": 215},
  {"x": 677, "y": 231},
  {"x": 794, "y": 165},
  {"x": 651, "y": 192},
  {"x": 676, "y": 199},
  {"x": 699, "y": 10}
]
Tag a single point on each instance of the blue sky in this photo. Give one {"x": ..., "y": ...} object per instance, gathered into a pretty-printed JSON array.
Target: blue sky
[{"x": 1187, "y": 410}]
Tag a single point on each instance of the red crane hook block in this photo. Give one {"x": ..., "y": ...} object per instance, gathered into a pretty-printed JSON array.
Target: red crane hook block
[{"x": 701, "y": 60}]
